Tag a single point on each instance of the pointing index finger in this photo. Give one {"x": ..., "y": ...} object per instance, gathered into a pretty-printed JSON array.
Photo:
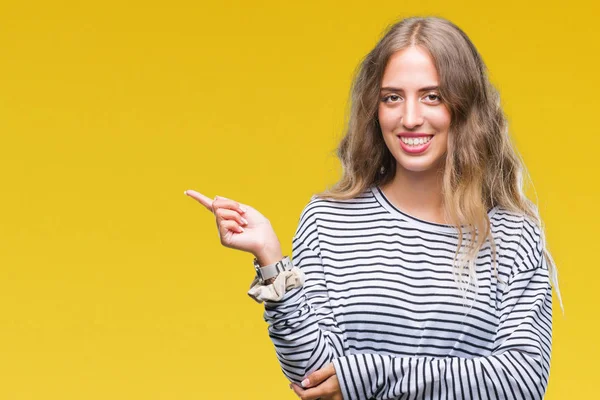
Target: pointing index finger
[{"x": 202, "y": 199}]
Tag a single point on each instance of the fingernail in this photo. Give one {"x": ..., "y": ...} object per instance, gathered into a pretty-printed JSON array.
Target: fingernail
[
  {"x": 291, "y": 386},
  {"x": 244, "y": 221},
  {"x": 185, "y": 192},
  {"x": 305, "y": 383},
  {"x": 241, "y": 229},
  {"x": 244, "y": 209}
]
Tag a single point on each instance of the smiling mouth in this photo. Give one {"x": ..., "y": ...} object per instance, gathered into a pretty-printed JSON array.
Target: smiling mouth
[{"x": 415, "y": 141}]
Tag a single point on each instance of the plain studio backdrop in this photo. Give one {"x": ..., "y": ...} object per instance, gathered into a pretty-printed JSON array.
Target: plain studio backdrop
[{"x": 113, "y": 284}]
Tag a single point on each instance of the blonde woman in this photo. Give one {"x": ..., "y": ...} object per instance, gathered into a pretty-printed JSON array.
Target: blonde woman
[{"x": 423, "y": 272}]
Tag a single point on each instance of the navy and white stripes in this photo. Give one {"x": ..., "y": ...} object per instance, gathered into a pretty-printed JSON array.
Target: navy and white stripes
[{"x": 381, "y": 302}]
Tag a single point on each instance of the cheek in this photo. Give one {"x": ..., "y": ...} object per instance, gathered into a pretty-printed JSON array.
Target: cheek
[
  {"x": 387, "y": 119},
  {"x": 440, "y": 119}
]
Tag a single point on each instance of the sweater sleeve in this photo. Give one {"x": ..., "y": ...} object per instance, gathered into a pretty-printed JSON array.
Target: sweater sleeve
[
  {"x": 301, "y": 325},
  {"x": 517, "y": 368}
]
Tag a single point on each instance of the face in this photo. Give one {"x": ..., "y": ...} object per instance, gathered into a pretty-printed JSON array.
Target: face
[{"x": 413, "y": 119}]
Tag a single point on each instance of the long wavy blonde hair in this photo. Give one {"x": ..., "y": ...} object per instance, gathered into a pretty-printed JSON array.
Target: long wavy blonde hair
[{"x": 482, "y": 172}]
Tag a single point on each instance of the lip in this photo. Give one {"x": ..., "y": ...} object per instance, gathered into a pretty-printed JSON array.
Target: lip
[
  {"x": 414, "y": 134},
  {"x": 414, "y": 149}
]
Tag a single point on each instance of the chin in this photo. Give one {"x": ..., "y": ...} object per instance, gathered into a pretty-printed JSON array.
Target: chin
[{"x": 419, "y": 166}]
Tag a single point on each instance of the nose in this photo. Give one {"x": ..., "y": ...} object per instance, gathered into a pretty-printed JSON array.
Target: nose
[{"x": 412, "y": 116}]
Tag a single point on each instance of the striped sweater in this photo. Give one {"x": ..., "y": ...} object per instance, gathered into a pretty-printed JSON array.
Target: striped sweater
[{"x": 381, "y": 302}]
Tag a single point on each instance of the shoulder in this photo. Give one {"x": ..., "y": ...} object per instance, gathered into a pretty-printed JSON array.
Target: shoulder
[
  {"x": 321, "y": 206},
  {"x": 520, "y": 235},
  {"x": 322, "y": 210}
]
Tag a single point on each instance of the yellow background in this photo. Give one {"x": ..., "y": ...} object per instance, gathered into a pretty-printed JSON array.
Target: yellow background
[{"x": 113, "y": 284}]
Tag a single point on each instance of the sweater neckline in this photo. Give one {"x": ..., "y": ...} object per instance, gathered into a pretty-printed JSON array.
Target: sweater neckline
[{"x": 418, "y": 223}]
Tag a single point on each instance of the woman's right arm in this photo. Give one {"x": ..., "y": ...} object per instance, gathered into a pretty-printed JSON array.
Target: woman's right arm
[{"x": 301, "y": 324}]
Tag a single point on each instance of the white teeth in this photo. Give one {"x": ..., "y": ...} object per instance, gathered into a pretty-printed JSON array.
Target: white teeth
[{"x": 415, "y": 141}]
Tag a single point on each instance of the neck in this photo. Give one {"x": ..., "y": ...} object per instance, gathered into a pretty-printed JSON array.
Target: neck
[{"x": 417, "y": 193}]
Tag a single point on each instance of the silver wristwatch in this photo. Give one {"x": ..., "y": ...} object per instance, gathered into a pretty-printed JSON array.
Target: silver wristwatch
[{"x": 272, "y": 270}]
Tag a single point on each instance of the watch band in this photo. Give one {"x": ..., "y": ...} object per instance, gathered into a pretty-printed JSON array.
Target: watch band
[{"x": 272, "y": 270}]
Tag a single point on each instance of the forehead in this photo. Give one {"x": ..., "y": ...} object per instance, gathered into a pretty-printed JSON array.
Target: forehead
[{"x": 410, "y": 68}]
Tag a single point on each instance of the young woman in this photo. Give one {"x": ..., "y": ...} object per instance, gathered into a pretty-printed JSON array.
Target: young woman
[{"x": 423, "y": 272}]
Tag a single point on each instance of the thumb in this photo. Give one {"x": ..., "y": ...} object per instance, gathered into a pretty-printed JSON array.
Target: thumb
[{"x": 318, "y": 376}]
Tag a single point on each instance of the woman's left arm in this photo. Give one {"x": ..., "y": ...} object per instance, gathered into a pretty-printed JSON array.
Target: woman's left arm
[{"x": 518, "y": 368}]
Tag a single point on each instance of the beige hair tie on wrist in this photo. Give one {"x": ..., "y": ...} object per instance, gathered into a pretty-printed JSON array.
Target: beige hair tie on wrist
[{"x": 285, "y": 281}]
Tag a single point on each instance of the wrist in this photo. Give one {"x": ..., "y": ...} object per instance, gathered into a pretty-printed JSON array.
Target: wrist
[{"x": 269, "y": 255}]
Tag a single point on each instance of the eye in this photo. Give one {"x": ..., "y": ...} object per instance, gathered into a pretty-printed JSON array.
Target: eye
[
  {"x": 393, "y": 98},
  {"x": 433, "y": 97}
]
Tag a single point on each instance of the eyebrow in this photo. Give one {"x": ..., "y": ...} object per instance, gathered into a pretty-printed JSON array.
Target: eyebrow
[{"x": 393, "y": 89}]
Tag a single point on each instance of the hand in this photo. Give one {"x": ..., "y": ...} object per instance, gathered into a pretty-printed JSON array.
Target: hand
[
  {"x": 322, "y": 384},
  {"x": 242, "y": 227}
]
